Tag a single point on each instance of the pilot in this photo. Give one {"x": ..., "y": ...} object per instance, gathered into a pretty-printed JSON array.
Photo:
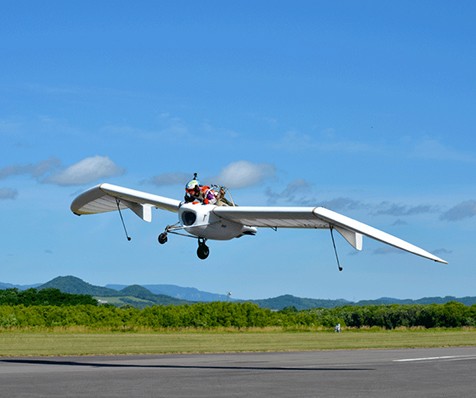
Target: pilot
[{"x": 194, "y": 192}]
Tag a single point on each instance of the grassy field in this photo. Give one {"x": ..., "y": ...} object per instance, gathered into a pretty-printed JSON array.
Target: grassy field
[{"x": 69, "y": 342}]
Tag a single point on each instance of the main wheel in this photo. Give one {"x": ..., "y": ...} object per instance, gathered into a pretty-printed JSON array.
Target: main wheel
[
  {"x": 203, "y": 251},
  {"x": 162, "y": 238}
]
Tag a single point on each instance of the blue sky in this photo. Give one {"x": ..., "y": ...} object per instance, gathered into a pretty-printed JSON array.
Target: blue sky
[{"x": 364, "y": 107}]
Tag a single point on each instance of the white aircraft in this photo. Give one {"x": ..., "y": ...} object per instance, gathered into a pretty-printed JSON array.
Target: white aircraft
[{"x": 228, "y": 221}]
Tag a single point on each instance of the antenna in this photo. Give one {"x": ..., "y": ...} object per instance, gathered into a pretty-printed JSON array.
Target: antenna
[
  {"x": 331, "y": 227},
  {"x": 122, "y": 219}
]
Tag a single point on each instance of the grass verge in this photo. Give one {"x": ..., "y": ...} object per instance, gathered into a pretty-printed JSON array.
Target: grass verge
[{"x": 73, "y": 342}]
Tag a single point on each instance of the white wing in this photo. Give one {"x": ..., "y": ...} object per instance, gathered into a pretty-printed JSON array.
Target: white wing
[
  {"x": 108, "y": 197},
  {"x": 316, "y": 217}
]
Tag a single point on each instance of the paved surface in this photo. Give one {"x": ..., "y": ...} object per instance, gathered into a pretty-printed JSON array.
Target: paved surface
[{"x": 449, "y": 372}]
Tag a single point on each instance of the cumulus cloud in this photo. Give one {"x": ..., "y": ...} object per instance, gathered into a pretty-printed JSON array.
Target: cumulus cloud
[
  {"x": 466, "y": 209},
  {"x": 86, "y": 171},
  {"x": 243, "y": 174},
  {"x": 35, "y": 170},
  {"x": 7, "y": 193}
]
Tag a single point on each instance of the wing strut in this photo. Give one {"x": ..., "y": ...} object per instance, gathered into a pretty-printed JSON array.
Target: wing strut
[
  {"x": 122, "y": 219},
  {"x": 331, "y": 228}
]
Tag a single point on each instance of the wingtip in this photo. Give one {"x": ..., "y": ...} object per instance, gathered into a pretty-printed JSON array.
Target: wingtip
[{"x": 438, "y": 260}]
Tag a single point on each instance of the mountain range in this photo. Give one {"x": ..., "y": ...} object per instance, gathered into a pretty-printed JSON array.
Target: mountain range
[{"x": 141, "y": 296}]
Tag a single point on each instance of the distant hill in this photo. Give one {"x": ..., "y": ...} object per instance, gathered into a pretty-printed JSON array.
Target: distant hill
[
  {"x": 141, "y": 296},
  {"x": 278, "y": 303},
  {"x": 4, "y": 286},
  {"x": 7, "y": 286},
  {"x": 142, "y": 293},
  {"x": 72, "y": 284},
  {"x": 138, "y": 291},
  {"x": 425, "y": 300},
  {"x": 178, "y": 292},
  {"x": 135, "y": 295}
]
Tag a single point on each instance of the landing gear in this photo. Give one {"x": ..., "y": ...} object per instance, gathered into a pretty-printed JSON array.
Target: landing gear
[
  {"x": 162, "y": 238},
  {"x": 203, "y": 251}
]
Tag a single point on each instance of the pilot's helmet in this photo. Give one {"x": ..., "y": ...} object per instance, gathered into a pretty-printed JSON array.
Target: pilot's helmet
[{"x": 192, "y": 184}]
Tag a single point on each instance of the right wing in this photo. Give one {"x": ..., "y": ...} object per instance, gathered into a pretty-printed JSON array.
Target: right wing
[
  {"x": 107, "y": 197},
  {"x": 316, "y": 218}
]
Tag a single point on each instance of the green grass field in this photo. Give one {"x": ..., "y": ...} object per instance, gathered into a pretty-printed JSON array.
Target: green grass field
[{"x": 70, "y": 342}]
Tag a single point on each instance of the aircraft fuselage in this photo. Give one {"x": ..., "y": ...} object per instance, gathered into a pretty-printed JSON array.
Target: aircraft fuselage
[{"x": 199, "y": 220}]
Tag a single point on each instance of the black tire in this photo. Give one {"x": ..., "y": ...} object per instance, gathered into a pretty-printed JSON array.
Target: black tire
[
  {"x": 203, "y": 251},
  {"x": 162, "y": 238}
]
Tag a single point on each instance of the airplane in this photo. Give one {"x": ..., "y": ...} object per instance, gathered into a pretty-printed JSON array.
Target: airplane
[{"x": 225, "y": 220}]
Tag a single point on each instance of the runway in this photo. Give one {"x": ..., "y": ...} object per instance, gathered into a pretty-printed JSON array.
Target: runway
[{"x": 445, "y": 372}]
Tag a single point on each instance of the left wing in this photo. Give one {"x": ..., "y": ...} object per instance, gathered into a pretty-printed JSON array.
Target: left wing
[
  {"x": 316, "y": 217},
  {"x": 107, "y": 197}
]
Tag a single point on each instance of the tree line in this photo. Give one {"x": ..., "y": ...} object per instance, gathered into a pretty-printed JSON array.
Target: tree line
[
  {"x": 235, "y": 315},
  {"x": 49, "y": 296}
]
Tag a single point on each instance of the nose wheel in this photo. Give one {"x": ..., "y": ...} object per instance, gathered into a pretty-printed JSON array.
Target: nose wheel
[{"x": 203, "y": 251}]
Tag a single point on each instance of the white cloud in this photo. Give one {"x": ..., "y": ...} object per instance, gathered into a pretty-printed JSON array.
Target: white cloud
[
  {"x": 86, "y": 171},
  {"x": 243, "y": 174}
]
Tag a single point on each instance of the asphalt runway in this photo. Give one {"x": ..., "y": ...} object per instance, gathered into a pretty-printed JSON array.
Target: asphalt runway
[{"x": 446, "y": 372}]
